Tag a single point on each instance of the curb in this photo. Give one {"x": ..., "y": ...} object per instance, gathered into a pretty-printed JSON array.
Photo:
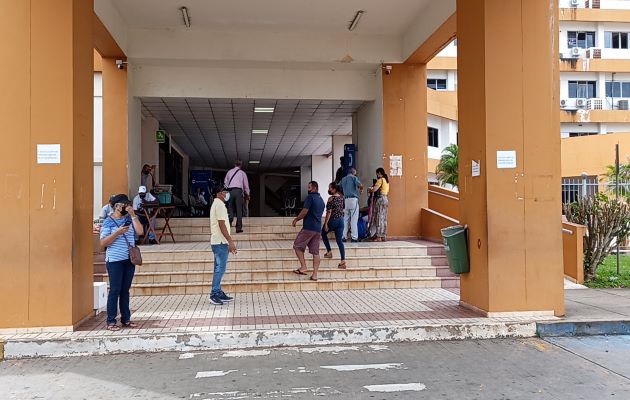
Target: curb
[
  {"x": 586, "y": 328},
  {"x": 1, "y": 350},
  {"x": 86, "y": 346}
]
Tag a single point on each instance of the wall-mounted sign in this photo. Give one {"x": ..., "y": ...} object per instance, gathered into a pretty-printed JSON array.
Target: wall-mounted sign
[
  {"x": 160, "y": 136},
  {"x": 48, "y": 154},
  {"x": 506, "y": 159},
  {"x": 395, "y": 165},
  {"x": 476, "y": 168}
]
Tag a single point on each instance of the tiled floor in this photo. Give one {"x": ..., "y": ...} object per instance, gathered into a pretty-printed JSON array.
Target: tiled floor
[{"x": 285, "y": 310}]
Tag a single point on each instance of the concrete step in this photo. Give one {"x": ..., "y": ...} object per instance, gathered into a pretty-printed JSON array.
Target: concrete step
[
  {"x": 304, "y": 284},
  {"x": 184, "y": 237},
  {"x": 237, "y": 264},
  {"x": 279, "y": 274}
]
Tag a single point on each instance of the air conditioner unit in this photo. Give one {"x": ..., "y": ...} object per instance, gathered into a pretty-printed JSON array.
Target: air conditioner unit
[
  {"x": 623, "y": 105},
  {"x": 575, "y": 3},
  {"x": 563, "y": 103},
  {"x": 581, "y": 103},
  {"x": 575, "y": 51}
]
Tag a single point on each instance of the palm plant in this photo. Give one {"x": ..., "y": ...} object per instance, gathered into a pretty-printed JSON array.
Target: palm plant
[
  {"x": 447, "y": 169},
  {"x": 624, "y": 179}
]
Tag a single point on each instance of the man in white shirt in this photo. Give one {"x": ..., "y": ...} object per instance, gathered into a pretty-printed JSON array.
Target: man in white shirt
[
  {"x": 221, "y": 243},
  {"x": 145, "y": 198}
]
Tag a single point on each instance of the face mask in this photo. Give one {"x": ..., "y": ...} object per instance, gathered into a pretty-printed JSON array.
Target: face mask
[
  {"x": 227, "y": 196},
  {"x": 143, "y": 195},
  {"x": 330, "y": 192},
  {"x": 124, "y": 211}
]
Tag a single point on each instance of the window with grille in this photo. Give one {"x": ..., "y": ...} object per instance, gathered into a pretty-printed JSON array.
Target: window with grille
[
  {"x": 582, "y": 89},
  {"x": 616, "y": 40},
  {"x": 434, "y": 135},
  {"x": 437, "y": 84},
  {"x": 583, "y": 40}
]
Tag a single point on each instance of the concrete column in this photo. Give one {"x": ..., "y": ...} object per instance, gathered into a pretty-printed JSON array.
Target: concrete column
[
  {"x": 115, "y": 138},
  {"x": 513, "y": 214},
  {"x": 321, "y": 173},
  {"x": 405, "y": 133},
  {"x": 306, "y": 175},
  {"x": 47, "y": 98}
]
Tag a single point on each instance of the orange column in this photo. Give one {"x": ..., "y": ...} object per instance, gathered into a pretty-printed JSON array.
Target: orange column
[
  {"x": 405, "y": 133},
  {"x": 508, "y": 100},
  {"x": 115, "y": 138},
  {"x": 45, "y": 242}
]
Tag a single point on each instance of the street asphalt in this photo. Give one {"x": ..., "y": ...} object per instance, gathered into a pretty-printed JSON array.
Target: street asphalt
[{"x": 556, "y": 368}]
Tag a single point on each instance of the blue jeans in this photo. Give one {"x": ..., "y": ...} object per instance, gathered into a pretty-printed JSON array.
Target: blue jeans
[
  {"x": 120, "y": 277},
  {"x": 335, "y": 225},
  {"x": 220, "y": 265}
]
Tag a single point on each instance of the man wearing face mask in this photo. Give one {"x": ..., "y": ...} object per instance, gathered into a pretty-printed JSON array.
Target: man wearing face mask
[
  {"x": 143, "y": 198},
  {"x": 221, "y": 243}
]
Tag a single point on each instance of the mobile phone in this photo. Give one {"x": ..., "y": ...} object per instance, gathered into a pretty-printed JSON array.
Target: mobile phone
[{"x": 127, "y": 223}]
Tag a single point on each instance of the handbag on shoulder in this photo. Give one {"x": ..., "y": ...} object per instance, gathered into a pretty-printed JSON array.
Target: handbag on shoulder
[{"x": 135, "y": 256}]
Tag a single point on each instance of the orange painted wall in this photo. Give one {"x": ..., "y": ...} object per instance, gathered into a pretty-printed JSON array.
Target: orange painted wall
[
  {"x": 433, "y": 223},
  {"x": 442, "y": 63},
  {"x": 592, "y": 14},
  {"x": 591, "y": 154},
  {"x": 513, "y": 214},
  {"x": 582, "y": 116},
  {"x": 404, "y": 127},
  {"x": 435, "y": 43},
  {"x": 595, "y": 65},
  {"x": 573, "y": 251},
  {"x": 444, "y": 201},
  {"x": 46, "y": 265},
  {"x": 442, "y": 103}
]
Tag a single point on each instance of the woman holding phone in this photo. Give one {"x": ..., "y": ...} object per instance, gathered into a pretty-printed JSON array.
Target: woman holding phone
[{"x": 117, "y": 235}]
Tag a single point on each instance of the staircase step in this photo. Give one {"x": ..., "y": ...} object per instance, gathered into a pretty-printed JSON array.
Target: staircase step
[{"x": 295, "y": 285}]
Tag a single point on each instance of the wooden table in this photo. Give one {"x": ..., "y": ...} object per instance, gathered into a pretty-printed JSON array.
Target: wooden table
[{"x": 151, "y": 213}]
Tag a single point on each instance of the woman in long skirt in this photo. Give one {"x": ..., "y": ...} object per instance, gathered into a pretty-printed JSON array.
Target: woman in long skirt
[{"x": 379, "y": 218}]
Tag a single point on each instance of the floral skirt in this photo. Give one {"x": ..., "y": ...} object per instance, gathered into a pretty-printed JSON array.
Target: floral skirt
[{"x": 379, "y": 217}]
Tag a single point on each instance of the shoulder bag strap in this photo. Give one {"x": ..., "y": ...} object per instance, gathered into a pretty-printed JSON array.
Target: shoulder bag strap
[
  {"x": 124, "y": 234},
  {"x": 233, "y": 175}
]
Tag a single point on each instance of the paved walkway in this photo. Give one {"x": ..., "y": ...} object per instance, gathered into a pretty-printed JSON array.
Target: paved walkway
[{"x": 597, "y": 305}]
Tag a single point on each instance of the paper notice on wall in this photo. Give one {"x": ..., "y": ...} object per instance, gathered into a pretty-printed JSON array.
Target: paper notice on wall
[
  {"x": 506, "y": 159},
  {"x": 395, "y": 165},
  {"x": 476, "y": 168},
  {"x": 48, "y": 154}
]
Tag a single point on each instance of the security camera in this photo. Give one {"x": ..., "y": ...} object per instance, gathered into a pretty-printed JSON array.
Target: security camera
[
  {"x": 388, "y": 69},
  {"x": 120, "y": 64}
]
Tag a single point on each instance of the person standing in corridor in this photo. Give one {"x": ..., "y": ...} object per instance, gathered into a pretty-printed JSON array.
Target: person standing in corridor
[
  {"x": 351, "y": 187},
  {"x": 237, "y": 185},
  {"x": 310, "y": 234},
  {"x": 221, "y": 243}
]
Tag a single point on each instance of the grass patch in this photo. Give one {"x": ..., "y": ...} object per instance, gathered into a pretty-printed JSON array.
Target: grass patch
[{"x": 608, "y": 270}]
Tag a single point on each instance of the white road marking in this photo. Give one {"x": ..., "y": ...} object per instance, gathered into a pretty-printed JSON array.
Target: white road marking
[
  {"x": 360, "y": 367},
  {"x": 327, "y": 349},
  {"x": 246, "y": 353},
  {"x": 397, "y": 387},
  {"x": 213, "y": 374},
  {"x": 186, "y": 356},
  {"x": 378, "y": 347}
]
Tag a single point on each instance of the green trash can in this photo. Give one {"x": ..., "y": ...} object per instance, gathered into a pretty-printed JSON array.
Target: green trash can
[{"x": 456, "y": 245}]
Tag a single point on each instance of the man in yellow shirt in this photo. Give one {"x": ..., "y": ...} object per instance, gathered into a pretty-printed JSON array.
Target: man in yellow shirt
[{"x": 221, "y": 243}]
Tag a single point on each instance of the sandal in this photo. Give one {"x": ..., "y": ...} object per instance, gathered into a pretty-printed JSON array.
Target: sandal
[
  {"x": 328, "y": 254},
  {"x": 298, "y": 272},
  {"x": 342, "y": 265},
  {"x": 129, "y": 324},
  {"x": 313, "y": 279},
  {"x": 113, "y": 327}
]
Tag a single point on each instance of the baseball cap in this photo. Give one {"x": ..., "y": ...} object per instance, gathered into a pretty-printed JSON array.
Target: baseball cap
[{"x": 142, "y": 189}]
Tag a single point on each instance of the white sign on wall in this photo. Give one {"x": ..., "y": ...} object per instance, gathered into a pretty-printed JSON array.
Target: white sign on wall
[
  {"x": 395, "y": 165},
  {"x": 476, "y": 168},
  {"x": 48, "y": 154},
  {"x": 506, "y": 159}
]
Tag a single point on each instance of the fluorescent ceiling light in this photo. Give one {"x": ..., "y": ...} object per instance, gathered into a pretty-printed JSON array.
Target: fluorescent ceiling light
[
  {"x": 262, "y": 131},
  {"x": 264, "y": 109},
  {"x": 254, "y": 162},
  {"x": 185, "y": 15},
  {"x": 355, "y": 20}
]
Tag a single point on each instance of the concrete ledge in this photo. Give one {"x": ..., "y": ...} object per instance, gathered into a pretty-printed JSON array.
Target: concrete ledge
[
  {"x": 1, "y": 350},
  {"x": 589, "y": 328},
  {"x": 113, "y": 344}
]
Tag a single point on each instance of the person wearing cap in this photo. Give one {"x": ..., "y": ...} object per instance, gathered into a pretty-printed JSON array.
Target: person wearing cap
[
  {"x": 145, "y": 198},
  {"x": 117, "y": 234},
  {"x": 221, "y": 243}
]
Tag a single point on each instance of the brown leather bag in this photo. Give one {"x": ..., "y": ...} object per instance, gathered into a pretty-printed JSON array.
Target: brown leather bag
[{"x": 135, "y": 256}]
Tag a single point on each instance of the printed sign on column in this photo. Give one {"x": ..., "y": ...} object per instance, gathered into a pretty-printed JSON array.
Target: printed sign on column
[{"x": 395, "y": 165}]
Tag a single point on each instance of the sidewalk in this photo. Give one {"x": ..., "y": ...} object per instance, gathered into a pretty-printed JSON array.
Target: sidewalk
[
  {"x": 267, "y": 319},
  {"x": 591, "y": 312}
]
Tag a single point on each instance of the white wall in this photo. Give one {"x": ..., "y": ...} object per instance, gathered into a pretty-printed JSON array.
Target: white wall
[
  {"x": 98, "y": 143},
  {"x": 273, "y": 81},
  {"x": 321, "y": 173},
  {"x": 150, "y": 148},
  {"x": 134, "y": 143},
  {"x": 447, "y": 134},
  {"x": 305, "y": 178},
  {"x": 369, "y": 141}
]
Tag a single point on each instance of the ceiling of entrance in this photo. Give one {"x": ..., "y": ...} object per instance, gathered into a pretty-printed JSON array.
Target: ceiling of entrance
[
  {"x": 215, "y": 132},
  {"x": 390, "y": 17}
]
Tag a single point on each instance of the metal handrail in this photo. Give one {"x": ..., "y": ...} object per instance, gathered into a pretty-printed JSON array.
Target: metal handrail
[{"x": 569, "y": 231}]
